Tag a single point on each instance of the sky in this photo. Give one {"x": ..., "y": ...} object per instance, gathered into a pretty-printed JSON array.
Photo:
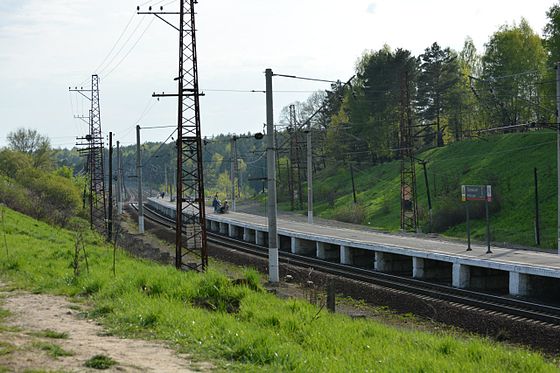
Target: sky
[{"x": 47, "y": 46}]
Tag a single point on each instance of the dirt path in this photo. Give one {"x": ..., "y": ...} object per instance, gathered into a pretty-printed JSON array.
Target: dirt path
[{"x": 25, "y": 344}]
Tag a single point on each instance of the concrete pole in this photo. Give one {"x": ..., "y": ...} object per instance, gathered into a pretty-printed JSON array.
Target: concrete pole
[
  {"x": 110, "y": 199},
  {"x": 119, "y": 180},
  {"x": 233, "y": 157},
  {"x": 309, "y": 176},
  {"x": 558, "y": 149},
  {"x": 273, "y": 273},
  {"x": 165, "y": 181},
  {"x": 139, "y": 177}
]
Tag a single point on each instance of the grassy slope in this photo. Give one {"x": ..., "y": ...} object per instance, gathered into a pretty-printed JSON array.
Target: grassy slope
[
  {"x": 505, "y": 161},
  {"x": 153, "y": 301}
]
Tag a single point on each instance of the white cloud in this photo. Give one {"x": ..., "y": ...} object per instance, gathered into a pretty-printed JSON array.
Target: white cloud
[{"x": 45, "y": 46}]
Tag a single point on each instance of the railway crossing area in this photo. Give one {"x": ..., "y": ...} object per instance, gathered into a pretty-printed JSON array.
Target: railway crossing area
[{"x": 506, "y": 271}]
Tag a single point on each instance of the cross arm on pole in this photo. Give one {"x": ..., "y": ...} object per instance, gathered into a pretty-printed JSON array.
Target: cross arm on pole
[
  {"x": 81, "y": 91},
  {"x": 176, "y": 94},
  {"x": 159, "y": 15}
]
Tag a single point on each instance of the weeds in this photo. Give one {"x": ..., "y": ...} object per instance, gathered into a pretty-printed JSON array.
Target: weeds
[
  {"x": 100, "y": 362},
  {"x": 250, "y": 330},
  {"x": 6, "y": 348},
  {"x": 48, "y": 333},
  {"x": 3, "y": 216},
  {"x": 52, "y": 349},
  {"x": 79, "y": 249}
]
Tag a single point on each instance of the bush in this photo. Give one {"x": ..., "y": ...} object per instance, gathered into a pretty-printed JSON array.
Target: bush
[
  {"x": 42, "y": 195},
  {"x": 354, "y": 213},
  {"x": 451, "y": 211},
  {"x": 11, "y": 162}
]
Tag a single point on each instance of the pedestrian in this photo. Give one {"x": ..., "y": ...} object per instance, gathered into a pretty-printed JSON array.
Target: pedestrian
[{"x": 216, "y": 203}]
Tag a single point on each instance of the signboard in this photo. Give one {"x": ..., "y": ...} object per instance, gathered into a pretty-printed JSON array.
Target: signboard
[{"x": 476, "y": 193}]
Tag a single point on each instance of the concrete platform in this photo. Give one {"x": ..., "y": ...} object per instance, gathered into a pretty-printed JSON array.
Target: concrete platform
[{"x": 517, "y": 272}]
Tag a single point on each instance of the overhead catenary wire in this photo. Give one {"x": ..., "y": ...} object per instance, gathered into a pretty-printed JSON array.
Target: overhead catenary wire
[
  {"x": 160, "y": 146},
  {"x": 130, "y": 50}
]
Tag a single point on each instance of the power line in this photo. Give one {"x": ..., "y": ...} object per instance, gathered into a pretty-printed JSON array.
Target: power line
[
  {"x": 304, "y": 78},
  {"x": 130, "y": 50},
  {"x": 116, "y": 42}
]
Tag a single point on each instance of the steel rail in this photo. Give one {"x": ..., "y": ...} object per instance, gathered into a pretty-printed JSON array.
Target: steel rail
[{"x": 489, "y": 302}]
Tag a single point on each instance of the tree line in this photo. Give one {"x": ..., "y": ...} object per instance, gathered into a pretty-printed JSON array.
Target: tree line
[{"x": 451, "y": 95}]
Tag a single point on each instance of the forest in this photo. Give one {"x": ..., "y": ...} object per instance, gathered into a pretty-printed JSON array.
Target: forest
[{"x": 449, "y": 96}]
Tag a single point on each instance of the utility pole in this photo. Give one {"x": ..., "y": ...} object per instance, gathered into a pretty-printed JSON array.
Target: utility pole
[
  {"x": 233, "y": 169},
  {"x": 309, "y": 176},
  {"x": 293, "y": 149},
  {"x": 166, "y": 184},
  {"x": 190, "y": 219},
  {"x": 423, "y": 163},
  {"x": 110, "y": 214},
  {"x": 558, "y": 152},
  {"x": 119, "y": 181},
  {"x": 273, "y": 273},
  {"x": 409, "y": 206},
  {"x": 139, "y": 177},
  {"x": 94, "y": 151},
  {"x": 353, "y": 184},
  {"x": 537, "y": 217}
]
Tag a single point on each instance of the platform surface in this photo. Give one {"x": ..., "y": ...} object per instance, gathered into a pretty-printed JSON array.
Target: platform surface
[{"x": 533, "y": 262}]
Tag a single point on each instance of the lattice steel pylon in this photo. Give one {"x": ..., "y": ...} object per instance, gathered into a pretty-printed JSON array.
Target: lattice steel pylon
[
  {"x": 295, "y": 158},
  {"x": 409, "y": 205},
  {"x": 94, "y": 152},
  {"x": 98, "y": 202},
  {"x": 190, "y": 225}
]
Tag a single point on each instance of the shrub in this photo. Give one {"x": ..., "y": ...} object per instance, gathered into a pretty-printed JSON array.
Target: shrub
[
  {"x": 450, "y": 211},
  {"x": 353, "y": 213}
]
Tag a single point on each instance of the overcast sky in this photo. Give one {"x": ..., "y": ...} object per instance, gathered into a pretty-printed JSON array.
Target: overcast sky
[{"x": 48, "y": 45}]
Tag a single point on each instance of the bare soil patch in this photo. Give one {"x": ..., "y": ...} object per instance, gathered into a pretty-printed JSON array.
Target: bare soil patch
[{"x": 38, "y": 320}]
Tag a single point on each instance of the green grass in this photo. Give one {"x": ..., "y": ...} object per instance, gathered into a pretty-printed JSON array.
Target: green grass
[
  {"x": 100, "y": 362},
  {"x": 237, "y": 326},
  {"x": 504, "y": 161},
  {"x": 52, "y": 349},
  {"x": 48, "y": 333},
  {"x": 6, "y": 348}
]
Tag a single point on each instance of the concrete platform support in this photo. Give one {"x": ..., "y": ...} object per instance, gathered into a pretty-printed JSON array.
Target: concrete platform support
[
  {"x": 233, "y": 231},
  {"x": 461, "y": 276},
  {"x": 380, "y": 262},
  {"x": 418, "y": 268},
  {"x": 518, "y": 284},
  {"x": 303, "y": 247},
  {"x": 214, "y": 226},
  {"x": 327, "y": 251},
  {"x": 224, "y": 227},
  {"x": 431, "y": 269},
  {"x": 321, "y": 250},
  {"x": 387, "y": 262},
  {"x": 345, "y": 255},
  {"x": 260, "y": 238},
  {"x": 294, "y": 246},
  {"x": 248, "y": 235}
]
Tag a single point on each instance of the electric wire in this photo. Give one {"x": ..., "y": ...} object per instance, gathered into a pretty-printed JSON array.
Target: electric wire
[{"x": 130, "y": 50}]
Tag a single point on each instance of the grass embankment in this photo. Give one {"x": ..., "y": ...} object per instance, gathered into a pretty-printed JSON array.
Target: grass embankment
[
  {"x": 238, "y": 327},
  {"x": 504, "y": 161}
]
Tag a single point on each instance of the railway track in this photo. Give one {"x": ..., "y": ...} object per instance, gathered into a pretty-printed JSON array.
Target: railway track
[{"x": 509, "y": 306}]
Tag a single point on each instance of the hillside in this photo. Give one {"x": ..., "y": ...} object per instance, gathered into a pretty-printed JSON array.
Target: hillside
[
  {"x": 235, "y": 327},
  {"x": 504, "y": 161}
]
